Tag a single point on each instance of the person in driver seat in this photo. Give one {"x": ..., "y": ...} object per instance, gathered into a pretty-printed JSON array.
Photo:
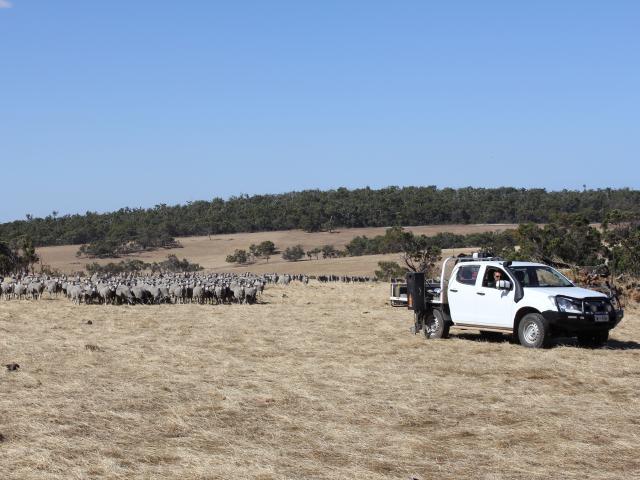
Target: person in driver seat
[{"x": 492, "y": 281}]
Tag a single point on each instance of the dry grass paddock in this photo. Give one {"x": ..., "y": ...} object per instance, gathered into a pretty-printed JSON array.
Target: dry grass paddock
[
  {"x": 319, "y": 381},
  {"x": 210, "y": 252}
]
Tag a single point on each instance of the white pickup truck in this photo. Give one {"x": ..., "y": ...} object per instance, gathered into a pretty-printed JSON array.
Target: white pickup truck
[{"x": 532, "y": 301}]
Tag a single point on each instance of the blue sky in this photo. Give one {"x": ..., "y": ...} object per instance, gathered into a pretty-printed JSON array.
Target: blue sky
[{"x": 106, "y": 104}]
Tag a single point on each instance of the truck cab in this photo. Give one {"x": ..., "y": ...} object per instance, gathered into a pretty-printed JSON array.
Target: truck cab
[{"x": 532, "y": 301}]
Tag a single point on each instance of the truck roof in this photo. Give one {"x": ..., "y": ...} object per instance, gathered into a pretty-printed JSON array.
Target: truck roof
[{"x": 499, "y": 263}]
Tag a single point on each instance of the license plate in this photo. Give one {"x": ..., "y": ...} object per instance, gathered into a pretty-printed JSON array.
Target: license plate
[{"x": 601, "y": 317}]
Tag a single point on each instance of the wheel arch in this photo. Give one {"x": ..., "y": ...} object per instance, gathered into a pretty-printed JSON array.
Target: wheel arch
[
  {"x": 520, "y": 315},
  {"x": 446, "y": 313}
]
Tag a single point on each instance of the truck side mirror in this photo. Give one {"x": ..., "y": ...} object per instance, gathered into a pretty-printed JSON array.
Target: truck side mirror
[{"x": 504, "y": 285}]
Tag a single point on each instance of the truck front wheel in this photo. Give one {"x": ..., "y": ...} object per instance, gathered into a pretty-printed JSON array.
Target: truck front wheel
[
  {"x": 436, "y": 326},
  {"x": 533, "y": 331}
]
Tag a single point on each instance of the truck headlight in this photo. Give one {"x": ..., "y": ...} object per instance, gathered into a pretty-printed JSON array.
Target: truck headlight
[{"x": 569, "y": 305}]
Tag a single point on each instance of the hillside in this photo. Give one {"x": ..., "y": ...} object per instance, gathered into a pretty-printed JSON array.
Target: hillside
[
  {"x": 315, "y": 210},
  {"x": 210, "y": 252}
]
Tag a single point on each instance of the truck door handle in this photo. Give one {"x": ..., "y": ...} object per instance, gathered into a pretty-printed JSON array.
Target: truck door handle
[
  {"x": 480, "y": 293},
  {"x": 452, "y": 290}
]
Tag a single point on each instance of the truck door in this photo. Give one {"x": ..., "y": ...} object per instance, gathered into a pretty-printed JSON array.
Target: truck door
[
  {"x": 462, "y": 293},
  {"x": 494, "y": 307}
]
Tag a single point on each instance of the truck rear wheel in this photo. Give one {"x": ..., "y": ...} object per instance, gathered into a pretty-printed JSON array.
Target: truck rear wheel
[
  {"x": 436, "y": 326},
  {"x": 533, "y": 331}
]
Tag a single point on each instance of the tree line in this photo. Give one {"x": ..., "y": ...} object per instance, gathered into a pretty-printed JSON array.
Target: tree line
[
  {"x": 267, "y": 249},
  {"x": 133, "y": 229}
]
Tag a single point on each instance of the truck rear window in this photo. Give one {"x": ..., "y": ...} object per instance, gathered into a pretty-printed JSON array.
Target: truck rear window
[{"x": 467, "y": 274}]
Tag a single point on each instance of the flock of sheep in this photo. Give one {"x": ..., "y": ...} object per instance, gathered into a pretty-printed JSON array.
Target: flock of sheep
[
  {"x": 145, "y": 289},
  {"x": 345, "y": 278},
  {"x": 132, "y": 289}
]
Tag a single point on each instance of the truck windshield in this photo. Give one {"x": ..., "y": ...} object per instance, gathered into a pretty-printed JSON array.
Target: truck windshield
[{"x": 535, "y": 276}]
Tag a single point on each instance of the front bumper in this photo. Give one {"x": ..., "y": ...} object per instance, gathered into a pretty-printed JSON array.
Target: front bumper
[{"x": 574, "y": 323}]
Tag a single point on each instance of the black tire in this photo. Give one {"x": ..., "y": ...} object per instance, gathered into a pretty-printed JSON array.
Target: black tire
[
  {"x": 593, "y": 340},
  {"x": 436, "y": 326},
  {"x": 533, "y": 331}
]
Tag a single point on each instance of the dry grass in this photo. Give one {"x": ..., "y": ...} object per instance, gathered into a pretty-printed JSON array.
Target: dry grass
[
  {"x": 211, "y": 252},
  {"x": 322, "y": 381}
]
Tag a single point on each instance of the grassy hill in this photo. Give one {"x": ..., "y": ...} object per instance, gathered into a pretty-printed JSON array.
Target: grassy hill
[{"x": 211, "y": 251}]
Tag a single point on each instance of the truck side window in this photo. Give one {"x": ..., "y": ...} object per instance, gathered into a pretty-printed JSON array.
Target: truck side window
[
  {"x": 467, "y": 274},
  {"x": 490, "y": 278},
  {"x": 523, "y": 276}
]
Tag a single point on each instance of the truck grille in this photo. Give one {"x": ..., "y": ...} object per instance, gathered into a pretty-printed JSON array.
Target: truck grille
[{"x": 596, "y": 306}]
